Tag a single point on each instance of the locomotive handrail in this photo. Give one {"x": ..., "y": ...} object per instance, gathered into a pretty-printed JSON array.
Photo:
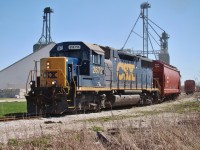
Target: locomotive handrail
[
  {"x": 27, "y": 81},
  {"x": 31, "y": 74},
  {"x": 73, "y": 79},
  {"x": 35, "y": 70},
  {"x": 74, "y": 83}
]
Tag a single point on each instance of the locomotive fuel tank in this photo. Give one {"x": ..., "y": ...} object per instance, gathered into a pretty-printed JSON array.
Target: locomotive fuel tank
[{"x": 123, "y": 100}]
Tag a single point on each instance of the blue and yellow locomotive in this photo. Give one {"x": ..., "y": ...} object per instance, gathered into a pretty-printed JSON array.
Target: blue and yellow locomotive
[{"x": 80, "y": 76}]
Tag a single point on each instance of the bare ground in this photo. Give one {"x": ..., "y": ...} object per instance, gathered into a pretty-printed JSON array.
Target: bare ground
[{"x": 25, "y": 129}]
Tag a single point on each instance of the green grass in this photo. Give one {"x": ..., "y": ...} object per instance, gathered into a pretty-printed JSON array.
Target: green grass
[
  {"x": 185, "y": 107},
  {"x": 96, "y": 128},
  {"x": 43, "y": 141},
  {"x": 12, "y": 99},
  {"x": 5, "y": 98},
  {"x": 191, "y": 106},
  {"x": 8, "y": 108}
]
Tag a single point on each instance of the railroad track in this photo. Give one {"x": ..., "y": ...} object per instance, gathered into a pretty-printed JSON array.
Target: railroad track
[{"x": 19, "y": 117}]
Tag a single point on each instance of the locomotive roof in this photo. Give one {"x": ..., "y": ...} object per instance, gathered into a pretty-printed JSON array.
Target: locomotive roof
[
  {"x": 95, "y": 48},
  {"x": 123, "y": 53},
  {"x": 79, "y": 45}
]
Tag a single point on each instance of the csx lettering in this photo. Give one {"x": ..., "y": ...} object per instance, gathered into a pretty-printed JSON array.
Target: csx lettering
[
  {"x": 97, "y": 70},
  {"x": 52, "y": 74},
  {"x": 125, "y": 71}
]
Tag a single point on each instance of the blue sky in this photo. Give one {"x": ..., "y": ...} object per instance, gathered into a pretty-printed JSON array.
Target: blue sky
[{"x": 103, "y": 22}]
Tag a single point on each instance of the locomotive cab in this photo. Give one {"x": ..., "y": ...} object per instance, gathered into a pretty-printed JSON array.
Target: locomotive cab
[
  {"x": 71, "y": 67},
  {"x": 90, "y": 62}
]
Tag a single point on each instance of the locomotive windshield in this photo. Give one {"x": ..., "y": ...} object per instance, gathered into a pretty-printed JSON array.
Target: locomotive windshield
[{"x": 72, "y": 53}]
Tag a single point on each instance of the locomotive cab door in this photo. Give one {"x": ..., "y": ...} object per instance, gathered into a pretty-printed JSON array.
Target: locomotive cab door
[
  {"x": 69, "y": 73},
  {"x": 72, "y": 84}
]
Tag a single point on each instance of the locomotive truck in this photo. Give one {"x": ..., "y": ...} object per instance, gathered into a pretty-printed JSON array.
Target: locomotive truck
[{"x": 82, "y": 76}]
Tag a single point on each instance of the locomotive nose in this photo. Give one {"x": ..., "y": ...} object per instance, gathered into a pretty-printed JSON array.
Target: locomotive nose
[{"x": 53, "y": 72}]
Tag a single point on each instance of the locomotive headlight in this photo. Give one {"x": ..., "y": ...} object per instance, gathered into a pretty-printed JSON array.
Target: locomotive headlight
[
  {"x": 48, "y": 64},
  {"x": 53, "y": 82},
  {"x": 32, "y": 84}
]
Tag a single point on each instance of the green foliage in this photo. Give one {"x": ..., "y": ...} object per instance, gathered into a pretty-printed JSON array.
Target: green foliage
[
  {"x": 43, "y": 141},
  {"x": 100, "y": 119},
  {"x": 13, "y": 142},
  {"x": 190, "y": 106},
  {"x": 9, "y": 108},
  {"x": 185, "y": 107},
  {"x": 96, "y": 128}
]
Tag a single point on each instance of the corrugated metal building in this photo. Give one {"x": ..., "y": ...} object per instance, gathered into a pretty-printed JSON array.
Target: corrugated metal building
[{"x": 15, "y": 76}]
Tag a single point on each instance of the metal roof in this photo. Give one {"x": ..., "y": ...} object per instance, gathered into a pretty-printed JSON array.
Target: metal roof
[{"x": 95, "y": 48}]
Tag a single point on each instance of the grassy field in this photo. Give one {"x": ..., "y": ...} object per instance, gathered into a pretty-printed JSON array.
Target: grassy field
[
  {"x": 162, "y": 133},
  {"x": 8, "y": 108},
  {"x": 172, "y": 127}
]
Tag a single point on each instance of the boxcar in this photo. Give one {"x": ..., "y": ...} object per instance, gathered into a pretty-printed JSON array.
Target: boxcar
[
  {"x": 189, "y": 86},
  {"x": 168, "y": 78}
]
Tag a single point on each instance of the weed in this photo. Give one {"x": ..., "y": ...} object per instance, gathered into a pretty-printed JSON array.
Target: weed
[
  {"x": 190, "y": 106},
  {"x": 13, "y": 142},
  {"x": 96, "y": 128}
]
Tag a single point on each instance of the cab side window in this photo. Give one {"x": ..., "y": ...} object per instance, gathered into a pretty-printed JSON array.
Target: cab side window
[{"x": 96, "y": 58}]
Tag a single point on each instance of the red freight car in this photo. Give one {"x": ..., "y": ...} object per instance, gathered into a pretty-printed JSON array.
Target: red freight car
[
  {"x": 167, "y": 79},
  {"x": 189, "y": 86}
]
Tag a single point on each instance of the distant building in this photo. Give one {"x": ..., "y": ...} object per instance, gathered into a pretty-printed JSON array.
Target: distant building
[{"x": 15, "y": 76}]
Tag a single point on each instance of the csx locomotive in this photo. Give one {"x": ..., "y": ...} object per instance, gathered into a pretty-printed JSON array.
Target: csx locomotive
[{"x": 81, "y": 76}]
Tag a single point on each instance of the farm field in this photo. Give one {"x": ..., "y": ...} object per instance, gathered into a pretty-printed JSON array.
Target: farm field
[
  {"x": 12, "y": 107},
  {"x": 170, "y": 125}
]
